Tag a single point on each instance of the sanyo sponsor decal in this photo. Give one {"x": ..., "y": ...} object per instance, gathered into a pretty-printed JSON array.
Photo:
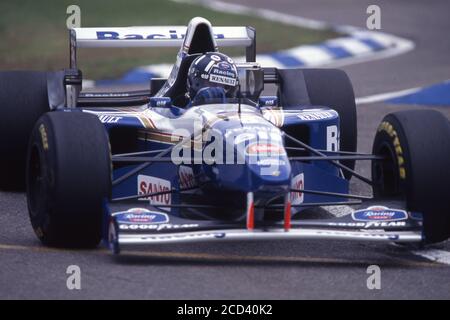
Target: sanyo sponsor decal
[{"x": 149, "y": 184}]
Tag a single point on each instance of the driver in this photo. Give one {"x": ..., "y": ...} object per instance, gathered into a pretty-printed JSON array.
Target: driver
[{"x": 212, "y": 76}]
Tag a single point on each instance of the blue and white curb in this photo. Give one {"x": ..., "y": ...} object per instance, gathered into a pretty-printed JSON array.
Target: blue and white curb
[
  {"x": 359, "y": 45},
  {"x": 434, "y": 95}
]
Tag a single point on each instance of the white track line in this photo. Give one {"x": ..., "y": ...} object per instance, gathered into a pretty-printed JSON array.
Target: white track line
[
  {"x": 395, "y": 45},
  {"x": 435, "y": 255},
  {"x": 385, "y": 96},
  {"x": 267, "y": 14}
]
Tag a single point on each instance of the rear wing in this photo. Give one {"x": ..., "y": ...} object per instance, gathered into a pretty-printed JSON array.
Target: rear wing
[{"x": 160, "y": 36}]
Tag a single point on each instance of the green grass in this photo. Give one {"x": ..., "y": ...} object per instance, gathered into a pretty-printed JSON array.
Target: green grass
[{"x": 34, "y": 36}]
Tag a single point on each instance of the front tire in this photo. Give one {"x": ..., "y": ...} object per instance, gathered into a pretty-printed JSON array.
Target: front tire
[
  {"x": 416, "y": 144},
  {"x": 68, "y": 178}
]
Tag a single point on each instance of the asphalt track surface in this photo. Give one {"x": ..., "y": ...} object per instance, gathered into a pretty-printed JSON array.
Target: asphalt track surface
[{"x": 260, "y": 270}]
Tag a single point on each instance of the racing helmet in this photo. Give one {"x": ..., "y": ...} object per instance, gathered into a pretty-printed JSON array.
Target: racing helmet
[{"x": 213, "y": 69}]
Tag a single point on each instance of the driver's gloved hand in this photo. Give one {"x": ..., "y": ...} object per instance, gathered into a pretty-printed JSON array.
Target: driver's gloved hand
[{"x": 210, "y": 95}]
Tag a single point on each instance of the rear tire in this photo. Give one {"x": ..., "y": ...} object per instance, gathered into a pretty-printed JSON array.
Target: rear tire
[
  {"x": 332, "y": 88},
  {"x": 324, "y": 87},
  {"x": 68, "y": 178},
  {"x": 23, "y": 99},
  {"x": 417, "y": 145}
]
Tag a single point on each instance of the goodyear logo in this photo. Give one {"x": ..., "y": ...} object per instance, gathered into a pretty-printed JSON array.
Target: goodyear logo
[
  {"x": 44, "y": 138},
  {"x": 389, "y": 129}
]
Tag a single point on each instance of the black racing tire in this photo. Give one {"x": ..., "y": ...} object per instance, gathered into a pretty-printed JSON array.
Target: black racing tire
[
  {"x": 333, "y": 88},
  {"x": 23, "y": 99},
  {"x": 68, "y": 179},
  {"x": 417, "y": 146}
]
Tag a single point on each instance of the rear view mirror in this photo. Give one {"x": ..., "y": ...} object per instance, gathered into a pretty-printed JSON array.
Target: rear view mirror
[{"x": 251, "y": 80}]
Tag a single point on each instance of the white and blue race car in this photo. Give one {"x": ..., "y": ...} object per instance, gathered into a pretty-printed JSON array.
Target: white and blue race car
[{"x": 150, "y": 167}]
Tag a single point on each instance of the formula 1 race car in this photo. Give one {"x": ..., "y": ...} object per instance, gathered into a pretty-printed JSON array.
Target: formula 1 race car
[{"x": 142, "y": 167}]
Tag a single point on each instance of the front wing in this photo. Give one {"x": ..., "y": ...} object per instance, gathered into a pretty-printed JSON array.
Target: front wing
[{"x": 136, "y": 227}]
